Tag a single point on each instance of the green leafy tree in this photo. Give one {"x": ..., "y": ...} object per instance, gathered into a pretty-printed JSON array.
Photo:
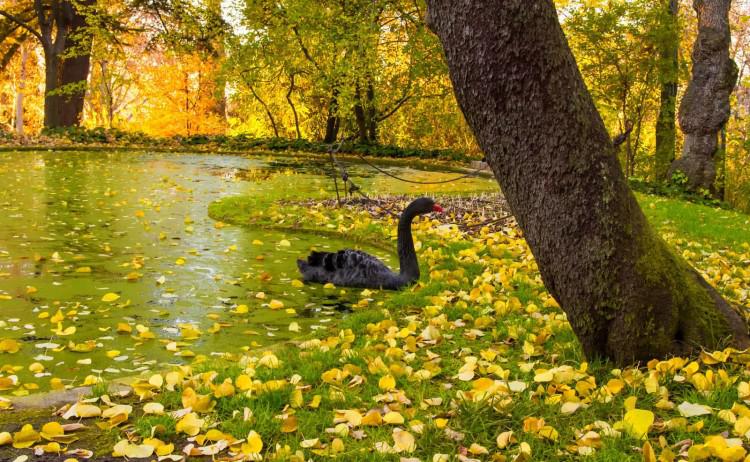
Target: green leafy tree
[{"x": 617, "y": 44}]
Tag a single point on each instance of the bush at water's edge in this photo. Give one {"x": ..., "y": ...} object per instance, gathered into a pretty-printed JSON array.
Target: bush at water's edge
[{"x": 114, "y": 137}]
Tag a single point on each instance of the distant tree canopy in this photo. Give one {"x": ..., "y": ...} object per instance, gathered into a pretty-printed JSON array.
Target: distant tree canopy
[{"x": 354, "y": 64}]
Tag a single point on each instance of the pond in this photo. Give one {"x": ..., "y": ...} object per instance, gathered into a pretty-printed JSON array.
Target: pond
[{"x": 110, "y": 266}]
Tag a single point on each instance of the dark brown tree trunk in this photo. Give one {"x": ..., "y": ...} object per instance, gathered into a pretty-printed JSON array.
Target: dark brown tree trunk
[
  {"x": 74, "y": 76},
  {"x": 267, "y": 109},
  {"x": 67, "y": 62},
  {"x": 218, "y": 55},
  {"x": 360, "y": 117},
  {"x": 366, "y": 115},
  {"x": 332, "y": 121},
  {"x": 372, "y": 116},
  {"x": 294, "y": 108},
  {"x": 628, "y": 296},
  {"x": 705, "y": 106},
  {"x": 666, "y": 130},
  {"x": 51, "y": 85},
  {"x": 721, "y": 165}
]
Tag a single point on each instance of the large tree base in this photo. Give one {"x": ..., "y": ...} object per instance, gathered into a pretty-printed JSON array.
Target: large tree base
[
  {"x": 697, "y": 162},
  {"x": 675, "y": 312}
]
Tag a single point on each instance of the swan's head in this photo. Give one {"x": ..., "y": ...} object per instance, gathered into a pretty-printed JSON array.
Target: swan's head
[{"x": 424, "y": 205}]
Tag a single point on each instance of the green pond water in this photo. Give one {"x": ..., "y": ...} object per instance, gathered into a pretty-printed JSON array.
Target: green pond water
[{"x": 75, "y": 226}]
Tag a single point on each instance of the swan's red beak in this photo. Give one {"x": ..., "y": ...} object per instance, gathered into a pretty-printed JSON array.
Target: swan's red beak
[{"x": 437, "y": 208}]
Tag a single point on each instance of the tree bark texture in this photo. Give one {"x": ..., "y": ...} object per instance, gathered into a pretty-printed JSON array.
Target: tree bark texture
[
  {"x": 67, "y": 62},
  {"x": 628, "y": 297},
  {"x": 666, "y": 130},
  {"x": 705, "y": 106}
]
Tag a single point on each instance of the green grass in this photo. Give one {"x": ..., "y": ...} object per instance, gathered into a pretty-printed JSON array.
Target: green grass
[
  {"x": 695, "y": 222},
  {"x": 159, "y": 426},
  {"x": 509, "y": 335}
]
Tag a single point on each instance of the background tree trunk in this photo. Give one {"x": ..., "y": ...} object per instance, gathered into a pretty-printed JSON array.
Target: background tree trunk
[
  {"x": 67, "y": 61},
  {"x": 333, "y": 122},
  {"x": 705, "y": 106},
  {"x": 75, "y": 74},
  {"x": 628, "y": 297},
  {"x": 359, "y": 117},
  {"x": 51, "y": 85},
  {"x": 666, "y": 132},
  {"x": 21, "y": 90},
  {"x": 291, "y": 104}
]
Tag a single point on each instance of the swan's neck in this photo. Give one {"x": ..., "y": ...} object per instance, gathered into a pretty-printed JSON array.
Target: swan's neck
[{"x": 407, "y": 256}]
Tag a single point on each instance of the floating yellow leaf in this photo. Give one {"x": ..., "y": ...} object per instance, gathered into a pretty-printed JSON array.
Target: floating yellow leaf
[
  {"x": 241, "y": 309},
  {"x": 8, "y": 345},
  {"x": 110, "y": 297}
]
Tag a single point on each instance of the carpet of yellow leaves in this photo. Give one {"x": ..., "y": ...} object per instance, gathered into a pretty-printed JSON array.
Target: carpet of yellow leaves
[{"x": 475, "y": 363}]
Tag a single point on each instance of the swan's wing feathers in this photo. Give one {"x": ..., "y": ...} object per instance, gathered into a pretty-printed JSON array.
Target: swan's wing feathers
[
  {"x": 348, "y": 259},
  {"x": 356, "y": 259},
  {"x": 348, "y": 268}
]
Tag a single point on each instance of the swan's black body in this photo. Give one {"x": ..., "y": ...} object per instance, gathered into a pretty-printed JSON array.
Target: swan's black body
[{"x": 354, "y": 268}]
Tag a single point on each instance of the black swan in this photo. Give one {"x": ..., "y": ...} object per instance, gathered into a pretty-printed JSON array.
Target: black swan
[{"x": 354, "y": 268}]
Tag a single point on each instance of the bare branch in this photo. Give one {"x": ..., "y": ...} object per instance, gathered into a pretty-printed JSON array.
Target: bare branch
[
  {"x": 305, "y": 51},
  {"x": 23, "y": 24}
]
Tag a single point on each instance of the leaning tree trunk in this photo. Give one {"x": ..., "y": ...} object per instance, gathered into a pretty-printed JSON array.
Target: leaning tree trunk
[
  {"x": 628, "y": 297},
  {"x": 666, "y": 132},
  {"x": 705, "y": 106}
]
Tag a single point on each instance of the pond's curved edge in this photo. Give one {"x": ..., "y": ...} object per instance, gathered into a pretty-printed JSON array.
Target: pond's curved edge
[{"x": 236, "y": 221}]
